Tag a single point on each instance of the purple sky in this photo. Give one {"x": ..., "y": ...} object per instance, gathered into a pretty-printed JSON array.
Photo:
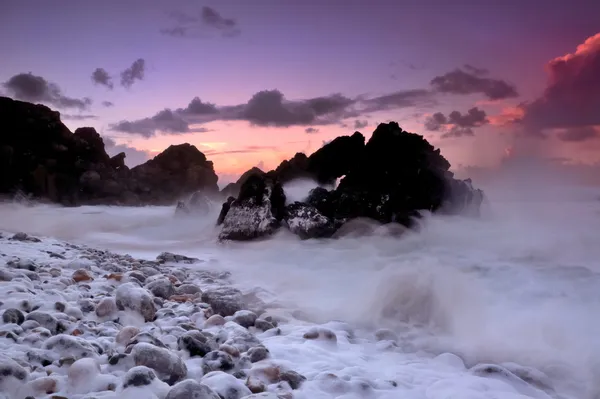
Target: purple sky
[{"x": 224, "y": 52}]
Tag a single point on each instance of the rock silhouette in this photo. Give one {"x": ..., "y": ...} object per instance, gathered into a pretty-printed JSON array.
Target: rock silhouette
[{"x": 41, "y": 158}]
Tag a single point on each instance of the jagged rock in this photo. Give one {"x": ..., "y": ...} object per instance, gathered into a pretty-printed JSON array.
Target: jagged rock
[
  {"x": 256, "y": 212},
  {"x": 41, "y": 158},
  {"x": 307, "y": 222},
  {"x": 233, "y": 189},
  {"x": 224, "y": 210}
]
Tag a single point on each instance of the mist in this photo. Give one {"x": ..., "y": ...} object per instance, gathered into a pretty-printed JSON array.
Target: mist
[{"x": 518, "y": 285}]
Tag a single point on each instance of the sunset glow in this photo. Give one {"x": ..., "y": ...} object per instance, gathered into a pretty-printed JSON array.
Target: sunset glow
[{"x": 259, "y": 93}]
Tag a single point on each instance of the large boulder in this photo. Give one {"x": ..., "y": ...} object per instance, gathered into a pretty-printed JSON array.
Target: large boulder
[
  {"x": 178, "y": 171},
  {"x": 257, "y": 211},
  {"x": 233, "y": 189},
  {"x": 307, "y": 222}
]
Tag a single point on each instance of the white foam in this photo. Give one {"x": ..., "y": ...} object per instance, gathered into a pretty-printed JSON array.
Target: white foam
[{"x": 519, "y": 286}]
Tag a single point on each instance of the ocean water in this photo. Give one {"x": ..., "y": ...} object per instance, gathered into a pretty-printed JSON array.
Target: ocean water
[{"x": 520, "y": 287}]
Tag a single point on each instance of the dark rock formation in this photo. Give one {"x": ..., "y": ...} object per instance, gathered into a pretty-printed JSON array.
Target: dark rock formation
[
  {"x": 327, "y": 164},
  {"x": 41, "y": 158},
  {"x": 256, "y": 212},
  {"x": 391, "y": 179},
  {"x": 177, "y": 171},
  {"x": 233, "y": 189},
  {"x": 306, "y": 221}
]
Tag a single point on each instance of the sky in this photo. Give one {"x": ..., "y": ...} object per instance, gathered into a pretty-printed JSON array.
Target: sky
[{"x": 251, "y": 83}]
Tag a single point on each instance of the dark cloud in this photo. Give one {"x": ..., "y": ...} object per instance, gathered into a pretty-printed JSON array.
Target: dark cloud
[
  {"x": 101, "y": 77},
  {"x": 471, "y": 82},
  {"x": 135, "y": 72},
  {"x": 197, "y": 25},
  {"x": 435, "y": 122},
  {"x": 474, "y": 117},
  {"x": 311, "y": 130},
  {"x": 133, "y": 156},
  {"x": 400, "y": 99},
  {"x": 571, "y": 99},
  {"x": 107, "y": 104},
  {"x": 32, "y": 88},
  {"x": 358, "y": 124},
  {"x": 579, "y": 134},
  {"x": 197, "y": 107},
  {"x": 456, "y": 124},
  {"x": 76, "y": 117},
  {"x": 270, "y": 108},
  {"x": 165, "y": 121},
  {"x": 457, "y": 131}
]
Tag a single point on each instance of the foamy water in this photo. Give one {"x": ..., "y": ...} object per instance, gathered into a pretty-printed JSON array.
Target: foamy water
[{"x": 520, "y": 285}]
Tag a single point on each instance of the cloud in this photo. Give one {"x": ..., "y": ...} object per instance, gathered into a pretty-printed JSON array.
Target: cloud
[
  {"x": 471, "y": 81},
  {"x": 197, "y": 25},
  {"x": 101, "y": 77},
  {"x": 197, "y": 107},
  {"x": 311, "y": 130},
  {"x": 270, "y": 108},
  {"x": 400, "y": 99},
  {"x": 578, "y": 134},
  {"x": 107, "y": 104},
  {"x": 456, "y": 124},
  {"x": 134, "y": 72},
  {"x": 457, "y": 131},
  {"x": 133, "y": 156},
  {"x": 571, "y": 99},
  {"x": 32, "y": 88},
  {"x": 78, "y": 117},
  {"x": 166, "y": 121},
  {"x": 358, "y": 124}
]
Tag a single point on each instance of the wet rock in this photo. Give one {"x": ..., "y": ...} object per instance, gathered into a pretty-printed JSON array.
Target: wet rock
[
  {"x": 256, "y": 212},
  {"x": 70, "y": 346},
  {"x": 255, "y": 385},
  {"x": 138, "y": 376},
  {"x": 195, "y": 343},
  {"x": 307, "y": 222},
  {"x": 258, "y": 353},
  {"x": 168, "y": 366},
  {"x": 214, "y": 320},
  {"x": 45, "y": 320},
  {"x": 162, "y": 288},
  {"x": 60, "y": 307},
  {"x": 226, "y": 385},
  {"x": 13, "y": 316},
  {"x": 86, "y": 305},
  {"x": 293, "y": 378},
  {"x": 129, "y": 296},
  {"x": 244, "y": 318},
  {"x": 319, "y": 333},
  {"x": 263, "y": 325},
  {"x": 224, "y": 301},
  {"x": 24, "y": 237},
  {"x": 106, "y": 307},
  {"x": 168, "y": 257},
  {"x": 81, "y": 275},
  {"x": 217, "y": 360},
  {"x": 190, "y": 389},
  {"x": 190, "y": 289}
]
